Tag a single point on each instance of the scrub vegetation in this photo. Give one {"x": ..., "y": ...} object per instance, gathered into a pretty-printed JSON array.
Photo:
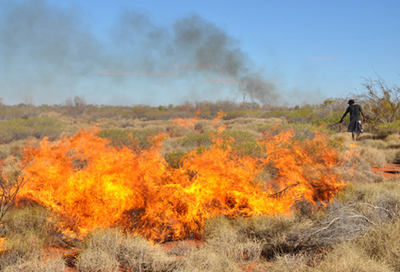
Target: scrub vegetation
[{"x": 357, "y": 231}]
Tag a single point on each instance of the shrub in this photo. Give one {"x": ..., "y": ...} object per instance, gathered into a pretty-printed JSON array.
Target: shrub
[
  {"x": 174, "y": 159},
  {"x": 11, "y": 112},
  {"x": 332, "y": 119},
  {"x": 303, "y": 115},
  {"x": 202, "y": 139},
  {"x": 386, "y": 129},
  {"x": 134, "y": 139},
  {"x": 27, "y": 231},
  {"x": 38, "y": 127},
  {"x": 31, "y": 221},
  {"x": 250, "y": 148},
  {"x": 240, "y": 114}
]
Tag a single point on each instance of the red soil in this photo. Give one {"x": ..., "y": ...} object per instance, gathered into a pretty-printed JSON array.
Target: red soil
[{"x": 389, "y": 171}]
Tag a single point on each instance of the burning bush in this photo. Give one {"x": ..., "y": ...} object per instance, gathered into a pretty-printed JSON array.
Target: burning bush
[{"x": 93, "y": 184}]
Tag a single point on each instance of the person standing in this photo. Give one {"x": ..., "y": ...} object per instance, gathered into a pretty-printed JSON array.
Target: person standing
[{"x": 355, "y": 126}]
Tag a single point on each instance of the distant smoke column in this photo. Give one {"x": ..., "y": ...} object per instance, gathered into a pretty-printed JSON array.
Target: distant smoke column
[{"x": 258, "y": 89}]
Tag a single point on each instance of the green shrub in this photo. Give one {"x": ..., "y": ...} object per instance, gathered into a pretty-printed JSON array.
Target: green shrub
[
  {"x": 117, "y": 137},
  {"x": 263, "y": 127},
  {"x": 386, "y": 129},
  {"x": 38, "y": 127},
  {"x": 202, "y": 139},
  {"x": 7, "y": 113},
  {"x": 238, "y": 135},
  {"x": 27, "y": 232},
  {"x": 283, "y": 113},
  {"x": 303, "y": 115},
  {"x": 332, "y": 119},
  {"x": 249, "y": 148},
  {"x": 243, "y": 113},
  {"x": 134, "y": 139},
  {"x": 174, "y": 159},
  {"x": 30, "y": 221}
]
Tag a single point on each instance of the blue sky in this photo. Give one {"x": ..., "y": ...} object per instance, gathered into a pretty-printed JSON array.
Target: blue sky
[{"x": 131, "y": 52}]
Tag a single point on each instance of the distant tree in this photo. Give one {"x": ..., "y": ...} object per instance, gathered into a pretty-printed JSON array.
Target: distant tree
[
  {"x": 28, "y": 106},
  {"x": 382, "y": 103},
  {"x": 77, "y": 106}
]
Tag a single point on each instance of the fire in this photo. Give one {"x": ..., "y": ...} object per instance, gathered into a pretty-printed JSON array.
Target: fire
[{"x": 92, "y": 184}]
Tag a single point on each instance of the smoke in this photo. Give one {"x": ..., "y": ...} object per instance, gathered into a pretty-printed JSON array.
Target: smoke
[{"x": 52, "y": 54}]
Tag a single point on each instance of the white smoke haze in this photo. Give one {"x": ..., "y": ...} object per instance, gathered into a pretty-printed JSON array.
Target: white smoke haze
[{"x": 52, "y": 54}]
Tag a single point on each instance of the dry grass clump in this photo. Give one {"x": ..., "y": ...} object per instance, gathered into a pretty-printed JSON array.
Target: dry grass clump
[
  {"x": 347, "y": 257},
  {"x": 382, "y": 244},
  {"x": 373, "y": 156},
  {"x": 355, "y": 166},
  {"x": 229, "y": 238},
  {"x": 110, "y": 250},
  {"x": 357, "y": 232},
  {"x": 379, "y": 151},
  {"x": 137, "y": 254},
  {"x": 99, "y": 251},
  {"x": 96, "y": 260},
  {"x": 38, "y": 264},
  {"x": 14, "y": 148},
  {"x": 208, "y": 259},
  {"x": 384, "y": 194},
  {"x": 291, "y": 263},
  {"x": 276, "y": 233}
]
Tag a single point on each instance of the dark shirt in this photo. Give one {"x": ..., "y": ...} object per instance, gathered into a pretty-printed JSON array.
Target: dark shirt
[{"x": 355, "y": 112}]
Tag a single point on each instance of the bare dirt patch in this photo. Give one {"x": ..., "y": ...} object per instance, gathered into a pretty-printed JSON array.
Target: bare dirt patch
[{"x": 389, "y": 171}]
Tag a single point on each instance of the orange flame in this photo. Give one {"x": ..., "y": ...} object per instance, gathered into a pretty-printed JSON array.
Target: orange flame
[
  {"x": 93, "y": 184},
  {"x": 221, "y": 114}
]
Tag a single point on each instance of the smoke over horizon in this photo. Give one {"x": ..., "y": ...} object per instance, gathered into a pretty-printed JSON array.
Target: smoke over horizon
[{"x": 49, "y": 54}]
